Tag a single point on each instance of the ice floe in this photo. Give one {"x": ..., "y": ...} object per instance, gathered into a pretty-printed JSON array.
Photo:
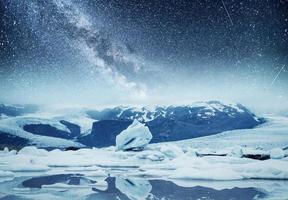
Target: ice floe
[
  {"x": 171, "y": 159},
  {"x": 207, "y": 174}
]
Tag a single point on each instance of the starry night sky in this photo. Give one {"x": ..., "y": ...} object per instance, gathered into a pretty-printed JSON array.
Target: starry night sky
[{"x": 136, "y": 51}]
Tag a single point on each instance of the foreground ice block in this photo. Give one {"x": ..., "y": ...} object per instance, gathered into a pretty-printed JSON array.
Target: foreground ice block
[{"x": 135, "y": 137}]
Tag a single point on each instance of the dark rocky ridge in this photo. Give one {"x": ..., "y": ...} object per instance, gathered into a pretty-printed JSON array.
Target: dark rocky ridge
[{"x": 12, "y": 141}]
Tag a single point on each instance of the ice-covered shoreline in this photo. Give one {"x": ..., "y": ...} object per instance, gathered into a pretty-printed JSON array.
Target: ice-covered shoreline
[
  {"x": 212, "y": 161},
  {"x": 182, "y": 157},
  {"x": 165, "y": 162}
]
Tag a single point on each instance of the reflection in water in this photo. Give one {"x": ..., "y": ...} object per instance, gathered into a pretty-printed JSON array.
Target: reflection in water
[
  {"x": 168, "y": 190},
  {"x": 131, "y": 189},
  {"x": 13, "y": 197},
  {"x": 124, "y": 189},
  {"x": 69, "y": 179}
]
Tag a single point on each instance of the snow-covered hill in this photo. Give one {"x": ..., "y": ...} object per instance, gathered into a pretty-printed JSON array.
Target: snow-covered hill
[
  {"x": 272, "y": 134},
  {"x": 13, "y": 135}
]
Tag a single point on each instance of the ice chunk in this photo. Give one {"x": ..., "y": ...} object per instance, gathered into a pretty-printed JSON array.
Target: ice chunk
[
  {"x": 151, "y": 155},
  {"x": 6, "y": 174},
  {"x": 6, "y": 150},
  {"x": 135, "y": 137},
  {"x": 268, "y": 169},
  {"x": 277, "y": 153},
  {"x": 98, "y": 173},
  {"x": 191, "y": 152},
  {"x": 171, "y": 151},
  {"x": 236, "y": 152},
  {"x": 32, "y": 150},
  {"x": 207, "y": 174},
  {"x": 27, "y": 167}
]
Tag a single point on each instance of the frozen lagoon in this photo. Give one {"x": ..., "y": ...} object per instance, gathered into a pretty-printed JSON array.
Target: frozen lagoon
[
  {"x": 154, "y": 173},
  {"x": 160, "y": 171}
]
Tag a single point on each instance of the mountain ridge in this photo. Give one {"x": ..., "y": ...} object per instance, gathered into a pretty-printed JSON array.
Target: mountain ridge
[{"x": 99, "y": 128}]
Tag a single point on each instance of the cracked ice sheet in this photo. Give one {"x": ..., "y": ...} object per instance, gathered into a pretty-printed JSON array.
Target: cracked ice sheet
[
  {"x": 183, "y": 169},
  {"x": 182, "y": 166}
]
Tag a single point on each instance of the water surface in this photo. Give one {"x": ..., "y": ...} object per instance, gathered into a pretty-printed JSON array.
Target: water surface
[{"x": 67, "y": 186}]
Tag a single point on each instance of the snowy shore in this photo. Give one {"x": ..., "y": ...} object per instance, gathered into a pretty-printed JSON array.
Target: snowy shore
[{"x": 181, "y": 162}]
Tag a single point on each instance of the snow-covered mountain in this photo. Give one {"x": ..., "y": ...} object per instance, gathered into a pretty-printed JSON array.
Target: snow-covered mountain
[
  {"x": 170, "y": 123},
  {"x": 99, "y": 128},
  {"x": 16, "y": 110}
]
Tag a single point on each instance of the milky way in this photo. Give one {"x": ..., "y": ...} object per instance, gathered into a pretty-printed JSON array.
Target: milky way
[{"x": 143, "y": 52}]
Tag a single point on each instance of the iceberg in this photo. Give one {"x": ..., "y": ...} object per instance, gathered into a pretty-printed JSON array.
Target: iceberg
[
  {"x": 32, "y": 150},
  {"x": 135, "y": 137}
]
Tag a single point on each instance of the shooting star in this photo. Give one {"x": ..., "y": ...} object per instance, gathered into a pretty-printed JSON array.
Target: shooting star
[
  {"x": 277, "y": 75},
  {"x": 230, "y": 19}
]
